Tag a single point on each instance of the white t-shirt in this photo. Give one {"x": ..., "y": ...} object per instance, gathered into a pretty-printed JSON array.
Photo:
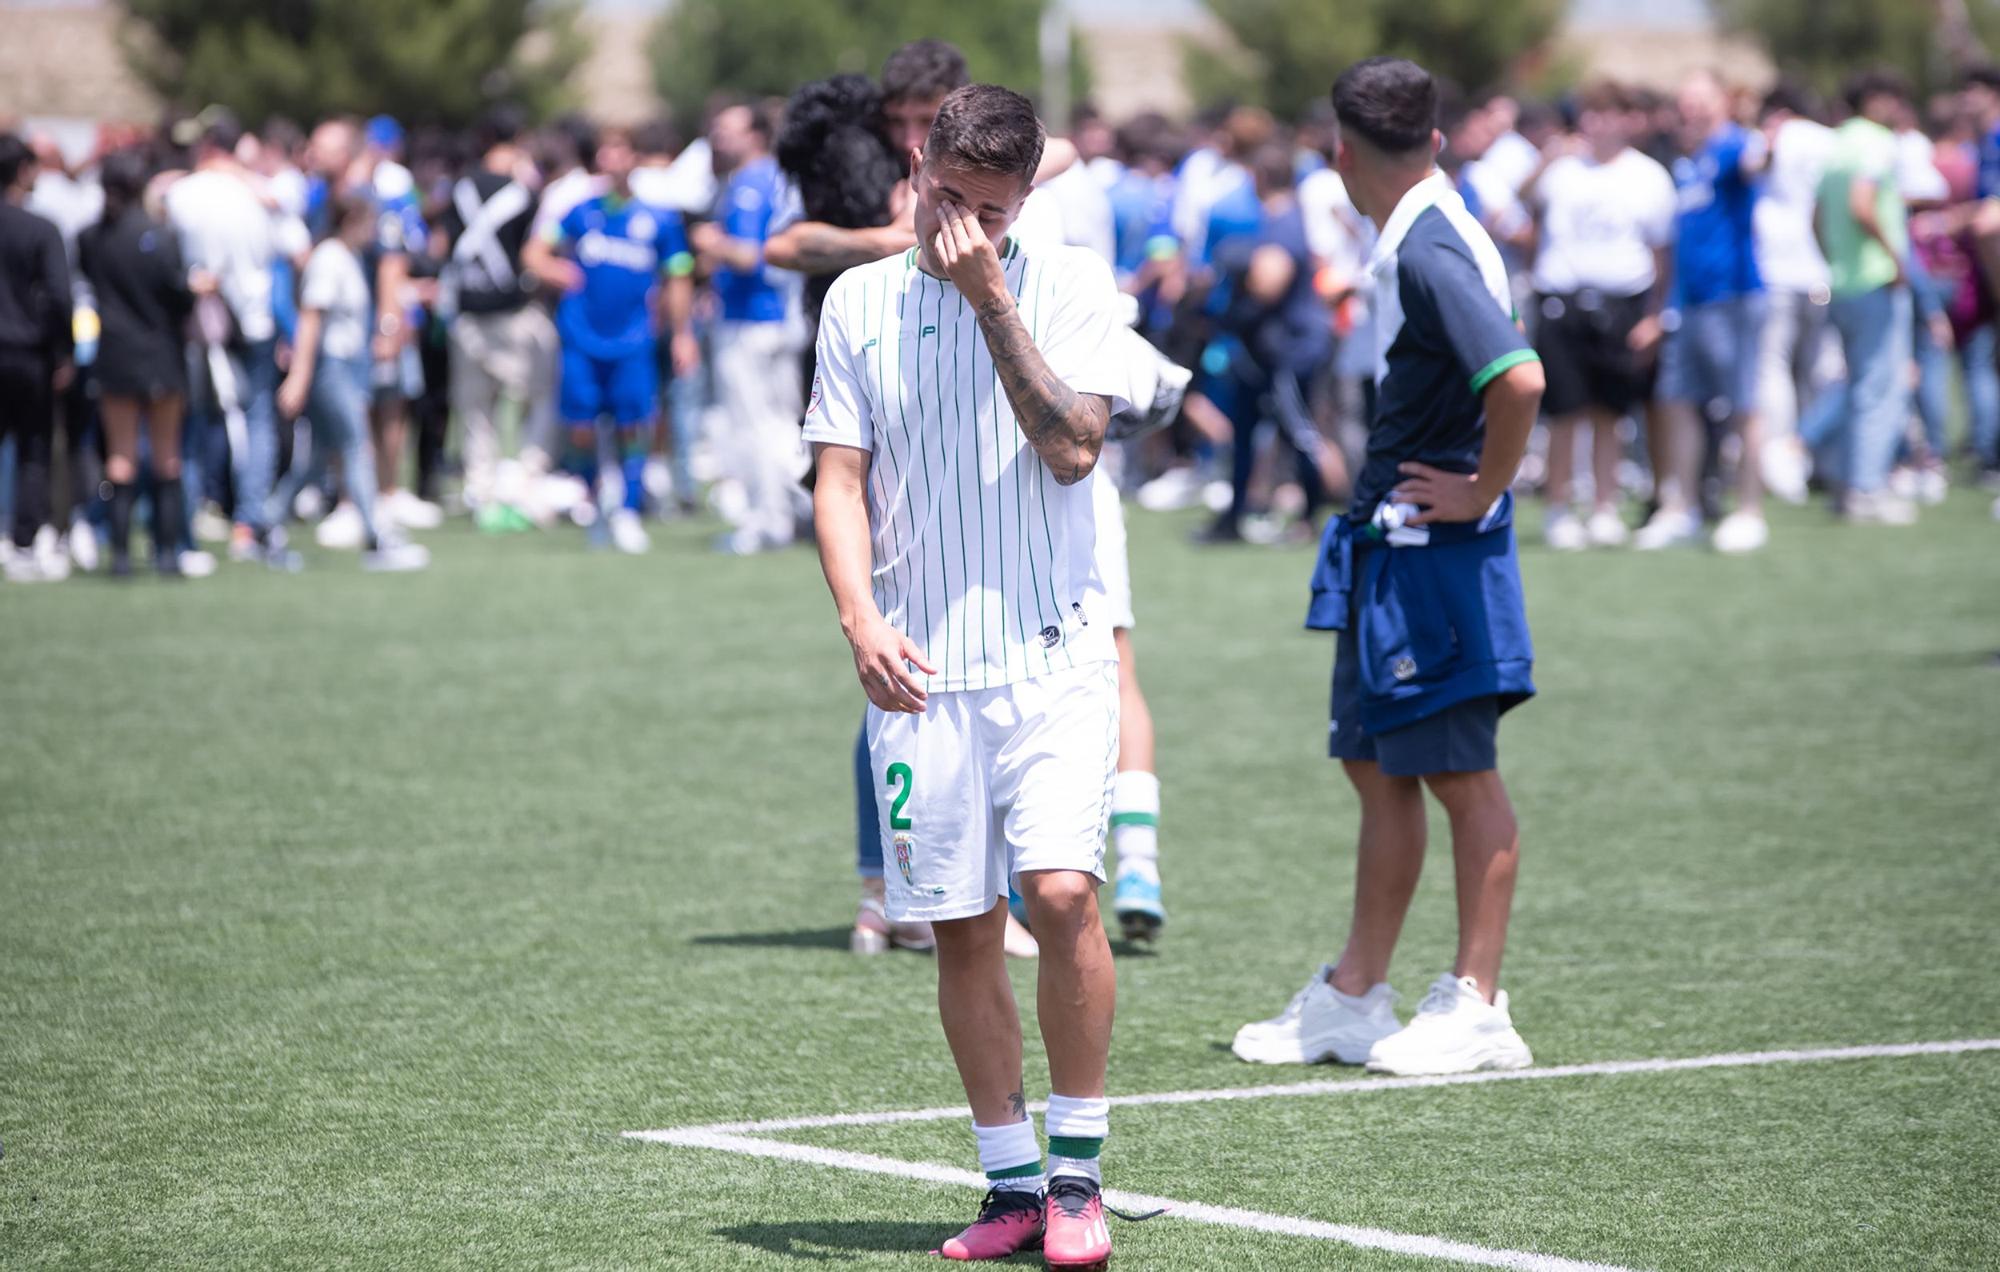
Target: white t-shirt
[
  {"x": 225, "y": 229},
  {"x": 1788, "y": 254},
  {"x": 1344, "y": 239},
  {"x": 334, "y": 284},
  {"x": 1601, "y": 223},
  {"x": 980, "y": 556},
  {"x": 1917, "y": 174},
  {"x": 1084, "y": 210}
]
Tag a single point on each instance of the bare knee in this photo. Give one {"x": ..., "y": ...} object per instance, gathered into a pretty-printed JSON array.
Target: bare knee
[
  {"x": 1064, "y": 898},
  {"x": 1475, "y": 796},
  {"x": 1373, "y": 785}
]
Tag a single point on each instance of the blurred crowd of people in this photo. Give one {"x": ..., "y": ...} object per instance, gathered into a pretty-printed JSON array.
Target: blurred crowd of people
[{"x": 235, "y": 331}]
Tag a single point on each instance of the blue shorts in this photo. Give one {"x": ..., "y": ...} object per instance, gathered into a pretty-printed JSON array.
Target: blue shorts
[
  {"x": 1710, "y": 362},
  {"x": 625, "y": 388},
  {"x": 1462, "y": 738}
]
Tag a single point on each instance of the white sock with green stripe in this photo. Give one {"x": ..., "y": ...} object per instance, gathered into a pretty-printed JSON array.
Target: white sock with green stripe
[
  {"x": 1077, "y": 1126},
  {"x": 1135, "y": 819},
  {"x": 1011, "y": 1156}
]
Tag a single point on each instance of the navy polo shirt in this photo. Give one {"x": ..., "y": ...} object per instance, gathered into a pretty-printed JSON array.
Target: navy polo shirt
[{"x": 1446, "y": 328}]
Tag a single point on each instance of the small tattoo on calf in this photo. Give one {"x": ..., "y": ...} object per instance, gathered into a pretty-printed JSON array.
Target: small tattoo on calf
[{"x": 1019, "y": 1103}]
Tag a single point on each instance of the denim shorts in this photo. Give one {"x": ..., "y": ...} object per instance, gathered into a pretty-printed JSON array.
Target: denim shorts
[{"x": 1711, "y": 360}]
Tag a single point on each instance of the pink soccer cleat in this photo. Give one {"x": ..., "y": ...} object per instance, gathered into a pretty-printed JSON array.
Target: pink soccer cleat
[
  {"x": 1010, "y": 1221},
  {"x": 1076, "y": 1237}
]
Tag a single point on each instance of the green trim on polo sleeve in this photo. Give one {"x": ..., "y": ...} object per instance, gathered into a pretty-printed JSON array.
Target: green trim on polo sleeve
[{"x": 1500, "y": 366}]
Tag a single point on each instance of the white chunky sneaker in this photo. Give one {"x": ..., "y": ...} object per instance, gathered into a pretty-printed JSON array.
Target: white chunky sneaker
[
  {"x": 1563, "y": 532},
  {"x": 1669, "y": 528},
  {"x": 1607, "y": 529},
  {"x": 1455, "y": 1030},
  {"x": 1320, "y": 1023},
  {"x": 628, "y": 533},
  {"x": 1741, "y": 533}
]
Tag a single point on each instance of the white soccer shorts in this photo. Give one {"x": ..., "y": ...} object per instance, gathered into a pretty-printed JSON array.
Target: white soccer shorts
[{"x": 988, "y": 783}]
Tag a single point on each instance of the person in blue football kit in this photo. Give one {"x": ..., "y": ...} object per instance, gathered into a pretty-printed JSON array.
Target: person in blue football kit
[
  {"x": 609, "y": 257},
  {"x": 1422, "y": 582},
  {"x": 1715, "y": 323}
]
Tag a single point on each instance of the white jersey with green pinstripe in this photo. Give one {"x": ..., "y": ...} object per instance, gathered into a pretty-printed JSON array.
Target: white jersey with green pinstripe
[{"x": 980, "y": 556}]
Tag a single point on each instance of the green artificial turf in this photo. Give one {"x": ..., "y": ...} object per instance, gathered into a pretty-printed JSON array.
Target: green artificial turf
[{"x": 347, "y": 919}]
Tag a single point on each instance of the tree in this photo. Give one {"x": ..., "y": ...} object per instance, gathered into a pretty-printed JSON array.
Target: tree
[
  {"x": 436, "y": 61},
  {"x": 1821, "y": 44},
  {"x": 1291, "y": 50},
  {"x": 770, "y": 47}
]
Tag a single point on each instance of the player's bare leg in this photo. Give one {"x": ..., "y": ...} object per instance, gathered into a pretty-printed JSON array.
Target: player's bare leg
[
  {"x": 983, "y": 1026},
  {"x": 1388, "y": 863},
  {"x": 981, "y": 1021},
  {"x": 1486, "y": 850},
  {"x": 1135, "y": 807},
  {"x": 1075, "y": 997}
]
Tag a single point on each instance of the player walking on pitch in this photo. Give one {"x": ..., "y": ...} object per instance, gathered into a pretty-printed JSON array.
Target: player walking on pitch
[
  {"x": 961, "y": 397},
  {"x": 1421, "y": 580}
]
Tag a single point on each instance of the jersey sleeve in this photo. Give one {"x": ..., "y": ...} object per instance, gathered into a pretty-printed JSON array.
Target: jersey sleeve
[
  {"x": 1445, "y": 293},
  {"x": 319, "y": 288},
  {"x": 748, "y": 215},
  {"x": 564, "y": 229},
  {"x": 1080, "y": 338},
  {"x": 838, "y": 412},
  {"x": 671, "y": 240}
]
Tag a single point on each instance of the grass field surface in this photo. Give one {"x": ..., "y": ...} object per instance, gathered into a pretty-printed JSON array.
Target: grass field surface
[{"x": 349, "y": 919}]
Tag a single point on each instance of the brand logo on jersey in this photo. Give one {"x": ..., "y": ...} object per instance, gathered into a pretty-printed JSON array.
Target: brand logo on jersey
[
  {"x": 1083, "y": 619},
  {"x": 596, "y": 248},
  {"x": 906, "y": 845},
  {"x": 812, "y": 404},
  {"x": 1050, "y": 636},
  {"x": 870, "y": 345},
  {"x": 1405, "y": 669},
  {"x": 927, "y": 331}
]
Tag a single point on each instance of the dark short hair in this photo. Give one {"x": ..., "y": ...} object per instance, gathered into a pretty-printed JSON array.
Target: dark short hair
[
  {"x": 987, "y": 128},
  {"x": 1603, "y": 97},
  {"x": 14, "y": 155},
  {"x": 1389, "y": 102},
  {"x": 1790, "y": 97},
  {"x": 223, "y": 131},
  {"x": 923, "y": 69},
  {"x": 124, "y": 174},
  {"x": 656, "y": 136},
  {"x": 1875, "y": 82},
  {"x": 1985, "y": 75},
  {"x": 1274, "y": 166},
  {"x": 503, "y": 122}
]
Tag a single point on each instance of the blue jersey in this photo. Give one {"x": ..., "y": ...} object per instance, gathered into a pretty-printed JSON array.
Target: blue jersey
[
  {"x": 623, "y": 247},
  {"x": 1715, "y": 253},
  {"x": 1142, "y": 209},
  {"x": 1989, "y": 165},
  {"x": 1239, "y": 214},
  {"x": 747, "y": 202}
]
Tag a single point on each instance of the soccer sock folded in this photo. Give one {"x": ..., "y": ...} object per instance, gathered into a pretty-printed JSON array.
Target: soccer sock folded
[
  {"x": 632, "y": 466},
  {"x": 1135, "y": 818},
  {"x": 1010, "y": 1155},
  {"x": 1077, "y": 1127}
]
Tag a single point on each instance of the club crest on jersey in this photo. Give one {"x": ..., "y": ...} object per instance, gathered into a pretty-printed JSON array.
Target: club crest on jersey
[
  {"x": 640, "y": 226},
  {"x": 906, "y": 845},
  {"x": 1050, "y": 636}
]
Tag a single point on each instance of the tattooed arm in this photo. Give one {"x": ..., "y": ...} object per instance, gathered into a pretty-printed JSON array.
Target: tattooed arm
[{"x": 1065, "y": 427}]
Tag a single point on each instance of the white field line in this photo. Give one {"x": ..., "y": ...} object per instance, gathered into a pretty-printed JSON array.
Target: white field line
[
  {"x": 1195, "y": 1212},
  {"x": 1361, "y": 1086}
]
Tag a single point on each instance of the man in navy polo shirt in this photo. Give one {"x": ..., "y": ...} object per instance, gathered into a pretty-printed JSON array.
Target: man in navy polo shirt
[
  {"x": 1708, "y": 364},
  {"x": 1421, "y": 580}
]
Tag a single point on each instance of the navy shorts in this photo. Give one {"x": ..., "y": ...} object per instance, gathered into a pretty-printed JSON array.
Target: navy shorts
[
  {"x": 1463, "y": 738},
  {"x": 623, "y": 388}
]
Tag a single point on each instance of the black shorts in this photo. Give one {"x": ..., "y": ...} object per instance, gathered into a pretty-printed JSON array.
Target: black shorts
[{"x": 1582, "y": 338}]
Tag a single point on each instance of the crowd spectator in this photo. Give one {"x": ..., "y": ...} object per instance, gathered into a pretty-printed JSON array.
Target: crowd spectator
[{"x": 35, "y": 360}]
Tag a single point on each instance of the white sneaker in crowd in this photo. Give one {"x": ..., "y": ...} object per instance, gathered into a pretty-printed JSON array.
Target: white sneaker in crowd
[
  {"x": 1455, "y": 1030},
  {"x": 1740, "y": 533},
  {"x": 1171, "y": 491},
  {"x": 1607, "y": 529},
  {"x": 83, "y": 545},
  {"x": 1669, "y": 528},
  {"x": 1216, "y": 496},
  {"x": 395, "y": 556},
  {"x": 1019, "y": 942},
  {"x": 628, "y": 532},
  {"x": 1878, "y": 508},
  {"x": 210, "y": 526},
  {"x": 1784, "y": 465},
  {"x": 32, "y": 564},
  {"x": 51, "y": 557},
  {"x": 405, "y": 509},
  {"x": 1320, "y": 1023},
  {"x": 309, "y": 503},
  {"x": 1563, "y": 532},
  {"x": 340, "y": 529},
  {"x": 195, "y": 564},
  {"x": 1903, "y": 482},
  {"x": 1932, "y": 486}
]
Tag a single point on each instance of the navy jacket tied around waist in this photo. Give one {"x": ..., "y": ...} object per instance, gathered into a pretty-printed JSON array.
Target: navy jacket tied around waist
[{"x": 1438, "y": 622}]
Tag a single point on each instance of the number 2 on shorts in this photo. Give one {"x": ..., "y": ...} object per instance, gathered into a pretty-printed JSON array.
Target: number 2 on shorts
[{"x": 900, "y": 776}]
